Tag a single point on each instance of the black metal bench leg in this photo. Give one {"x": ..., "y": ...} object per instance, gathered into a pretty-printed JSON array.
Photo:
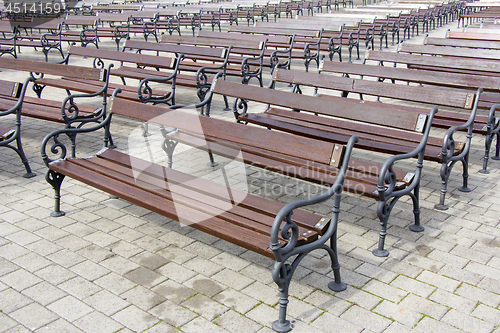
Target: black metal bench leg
[
  {"x": 416, "y": 227},
  {"x": 380, "y": 251},
  {"x": 282, "y": 324},
  {"x": 383, "y": 212},
  {"x": 465, "y": 174},
  {"x": 55, "y": 179},
  {"x": 168, "y": 147},
  {"x": 19, "y": 150},
  {"x": 336, "y": 284},
  {"x": 445, "y": 174}
]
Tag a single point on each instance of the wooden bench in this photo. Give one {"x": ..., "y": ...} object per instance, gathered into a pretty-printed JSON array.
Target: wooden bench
[
  {"x": 143, "y": 93},
  {"x": 72, "y": 115},
  {"x": 474, "y": 69},
  {"x": 309, "y": 46},
  {"x": 437, "y": 149},
  {"x": 369, "y": 179},
  {"x": 258, "y": 224},
  {"x": 246, "y": 59}
]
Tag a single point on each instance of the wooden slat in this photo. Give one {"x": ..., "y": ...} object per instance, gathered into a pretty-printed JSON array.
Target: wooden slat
[
  {"x": 212, "y": 225},
  {"x": 8, "y": 88},
  {"x": 314, "y": 150},
  {"x": 450, "y": 51},
  {"x": 208, "y": 41},
  {"x": 140, "y": 59},
  {"x": 260, "y": 210},
  {"x": 479, "y": 44},
  {"x": 5, "y": 133},
  {"x": 455, "y": 63},
  {"x": 274, "y": 31},
  {"x": 474, "y": 36},
  {"x": 412, "y": 75},
  {"x": 174, "y": 48},
  {"x": 373, "y": 115},
  {"x": 361, "y": 179}
]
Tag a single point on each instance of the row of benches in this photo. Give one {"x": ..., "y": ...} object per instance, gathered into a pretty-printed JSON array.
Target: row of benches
[{"x": 316, "y": 155}]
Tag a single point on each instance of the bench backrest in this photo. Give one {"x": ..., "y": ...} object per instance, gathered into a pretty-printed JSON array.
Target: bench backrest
[
  {"x": 439, "y": 62},
  {"x": 434, "y": 96},
  {"x": 444, "y": 79},
  {"x": 351, "y": 111},
  {"x": 140, "y": 59},
  {"x": 225, "y": 35},
  {"x": 187, "y": 50},
  {"x": 53, "y": 69},
  {"x": 296, "y": 146},
  {"x": 207, "y": 41},
  {"x": 299, "y": 25},
  {"x": 275, "y": 31},
  {"x": 449, "y": 51},
  {"x": 473, "y": 36},
  {"x": 475, "y": 44}
]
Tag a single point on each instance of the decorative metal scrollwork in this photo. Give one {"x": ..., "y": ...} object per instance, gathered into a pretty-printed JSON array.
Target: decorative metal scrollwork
[{"x": 240, "y": 107}]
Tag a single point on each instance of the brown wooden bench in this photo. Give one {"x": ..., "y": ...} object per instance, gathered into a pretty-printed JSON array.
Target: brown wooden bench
[
  {"x": 437, "y": 149},
  {"x": 73, "y": 114},
  {"x": 246, "y": 59},
  {"x": 158, "y": 69},
  {"x": 466, "y": 66},
  {"x": 258, "y": 224},
  {"x": 307, "y": 50},
  {"x": 384, "y": 188}
]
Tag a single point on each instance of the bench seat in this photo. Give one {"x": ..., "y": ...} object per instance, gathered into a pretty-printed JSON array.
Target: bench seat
[{"x": 276, "y": 230}]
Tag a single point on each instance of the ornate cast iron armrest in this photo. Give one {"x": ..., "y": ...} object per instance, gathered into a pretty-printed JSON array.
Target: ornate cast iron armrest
[
  {"x": 245, "y": 66},
  {"x": 20, "y": 99},
  {"x": 448, "y": 152},
  {"x": 284, "y": 227},
  {"x": 70, "y": 111},
  {"x": 208, "y": 96},
  {"x": 202, "y": 77},
  {"x": 45, "y": 42},
  {"x": 146, "y": 93},
  {"x": 274, "y": 60},
  {"x": 387, "y": 182},
  {"x": 58, "y": 148}
]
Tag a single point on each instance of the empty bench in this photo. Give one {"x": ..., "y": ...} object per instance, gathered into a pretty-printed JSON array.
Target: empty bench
[
  {"x": 384, "y": 182},
  {"x": 257, "y": 224}
]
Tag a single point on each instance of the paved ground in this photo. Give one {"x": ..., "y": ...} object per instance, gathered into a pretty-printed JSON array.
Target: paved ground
[{"x": 108, "y": 266}]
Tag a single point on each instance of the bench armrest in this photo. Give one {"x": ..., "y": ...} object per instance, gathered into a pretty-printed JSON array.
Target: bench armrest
[
  {"x": 146, "y": 93},
  {"x": 70, "y": 111},
  {"x": 208, "y": 96},
  {"x": 307, "y": 47},
  {"x": 202, "y": 80},
  {"x": 17, "y": 107},
  {"x": 387, "y": 186},
  {"x": 284, "y": 227},
  {"x": 59, "y": 149},
  {"x": 245, "y": 66},
  {"x": 46, "y": 42},
  {"x": 448, "y": 151},
  {"x": 274, "y": 58}
]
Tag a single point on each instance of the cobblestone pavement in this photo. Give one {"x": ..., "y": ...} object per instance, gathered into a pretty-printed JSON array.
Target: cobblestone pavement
[{"x": 109, "y": 266}]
